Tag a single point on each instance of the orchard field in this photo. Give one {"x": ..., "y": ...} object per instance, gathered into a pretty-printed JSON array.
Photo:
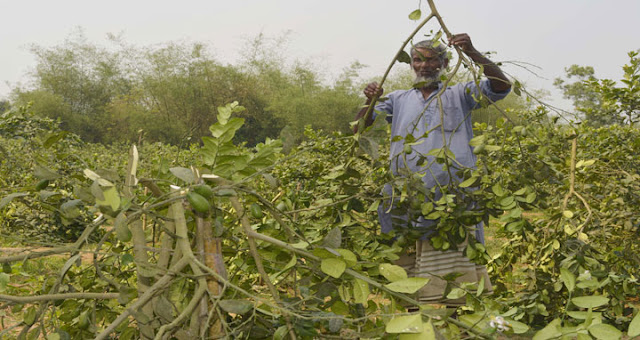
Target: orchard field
[{"x": 220, "y": 235}]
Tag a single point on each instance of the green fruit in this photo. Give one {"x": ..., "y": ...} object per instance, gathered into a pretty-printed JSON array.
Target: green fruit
[
  {"x": 256, "y": 211},
  {"x": 199, "y": 203},
  {"x": 42, "y": 184},
  {"x": 281, "y": 206},
  {"x": 204, "y": 191},
  {"x": 408, "y": 149},
  {"x": 479, "y": 149}
]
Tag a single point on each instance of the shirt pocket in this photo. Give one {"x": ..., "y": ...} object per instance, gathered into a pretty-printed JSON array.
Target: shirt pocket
[{"x": 451, "y": 120}]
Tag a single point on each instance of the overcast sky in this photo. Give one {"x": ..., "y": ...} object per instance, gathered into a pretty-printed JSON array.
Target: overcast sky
[{"x": 549, "y": 34}]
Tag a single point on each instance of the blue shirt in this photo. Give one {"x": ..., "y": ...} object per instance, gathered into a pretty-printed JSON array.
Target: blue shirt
[{"x": 411, "y": 114}]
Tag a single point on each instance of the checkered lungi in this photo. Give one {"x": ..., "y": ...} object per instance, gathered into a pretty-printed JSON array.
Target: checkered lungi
[{"x": 425, "y": 261}]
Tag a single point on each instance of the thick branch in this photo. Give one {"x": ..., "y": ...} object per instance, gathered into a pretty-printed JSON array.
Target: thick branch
[{"x": 54, "y": 297}]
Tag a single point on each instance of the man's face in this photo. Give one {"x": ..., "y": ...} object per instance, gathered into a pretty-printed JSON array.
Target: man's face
[{"x": 427, "y": 66}]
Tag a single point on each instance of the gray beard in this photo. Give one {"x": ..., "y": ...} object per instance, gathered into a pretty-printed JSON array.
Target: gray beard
[{"x": 428, "y": 81}]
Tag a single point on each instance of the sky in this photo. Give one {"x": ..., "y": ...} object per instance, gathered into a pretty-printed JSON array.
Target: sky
[{"x": 546, "y": 35}]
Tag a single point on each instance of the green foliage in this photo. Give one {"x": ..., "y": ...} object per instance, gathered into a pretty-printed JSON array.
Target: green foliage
[
  {"x": 321, "y": 198},
  {"x": 599, "y": 100},
  {"x": 170, "y": 93}
]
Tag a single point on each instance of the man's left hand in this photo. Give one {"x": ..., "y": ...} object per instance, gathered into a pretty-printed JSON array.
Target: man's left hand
[{"x": 463, "y": 41}]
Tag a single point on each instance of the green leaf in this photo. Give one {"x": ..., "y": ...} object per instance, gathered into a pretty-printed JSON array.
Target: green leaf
[
  {"x": 29, "y": 316},
  {"x": 54, "y": 138},
  {"x": 280, "y": 333},
  {"x": 568, "y": 279},
  {"x": 585, "y": 163},
  {"x": 360, "y": 291},
  {"x": 409, "y": 286},
  {"x": 184, "y": 174},
  {"x": 226, "y": 132},
  {"x": 480, "y": 287},
  {"x": 415, "y": 15},
  {"x": 111, "y": 198},
  {"x": 550, "y": 331},
  {"x": 590, "y": 301},
  {"x": 428, "y": 333},
  {"x": 468, "y": 182},
  {"x": 497, "y": 189},
  {"x": 70, "y": 208},
  {"x": 369, "y": 146},
  {"x": 518, "y": 327},
  {"x": 126, "y": 259},
  {"x": 477, "y": 140},
  {"x": 292, "y": 262},
  {"x": 333, "y": 238},
  {"x": 42, "y": 172},
  {"x": 348, "y": 257},
  {"x": 582, "y": 315},
  {"x": 126, "y": 294},
  {"x": 91, "y": 175},
  {"x": 392, "y": 272},
  {"x": 236, "y": 306},
  {"x": 604, "y": 332},
  {"x": 456, "y": 293},
  {"x": 7, "y": 199},
  {"x": 273, "y": 183},
  {"x": 224, "y": 112},
  {"x": 405, "y": 324},
  {"x": 530, "y": 198},
  {"x": 333, "y": 267},
  {"x": 634, "y": 326},
  {"x": 516, "y": 88},
  {"x": 340, "y": 308},
  {"x": 4, "y": 281},
  {"x": 492, "y": 147},
  {"x": 164, "y": 308},
  {"x": 583, "y": 336},
  {"x": 123, "y": 233},
  {"x": 54, "y": 336},
  {"x": 436, "y": 39},
  {"x": 403, "y": 57}
]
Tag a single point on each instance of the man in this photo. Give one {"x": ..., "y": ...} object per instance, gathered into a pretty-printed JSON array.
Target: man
[{"x": 430, "y": 116}]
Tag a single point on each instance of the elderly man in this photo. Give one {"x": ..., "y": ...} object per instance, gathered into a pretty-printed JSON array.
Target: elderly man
[{"x": 425, "y": 113}]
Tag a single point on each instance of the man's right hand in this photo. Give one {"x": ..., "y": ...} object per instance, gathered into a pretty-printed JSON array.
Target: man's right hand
[{"x": 373, "y": 90}]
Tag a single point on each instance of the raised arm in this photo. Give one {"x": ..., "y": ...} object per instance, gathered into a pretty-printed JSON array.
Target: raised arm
[
  {"x": 372, "y": 90},
  {"x": 497, "y": 80}
]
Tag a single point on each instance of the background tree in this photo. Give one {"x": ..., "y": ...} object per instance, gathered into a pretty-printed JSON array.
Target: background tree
[
  {"x": 5, "y": 105},
  {"x": 76, "y": 80},
  {"x": 599, "y": 101}
]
